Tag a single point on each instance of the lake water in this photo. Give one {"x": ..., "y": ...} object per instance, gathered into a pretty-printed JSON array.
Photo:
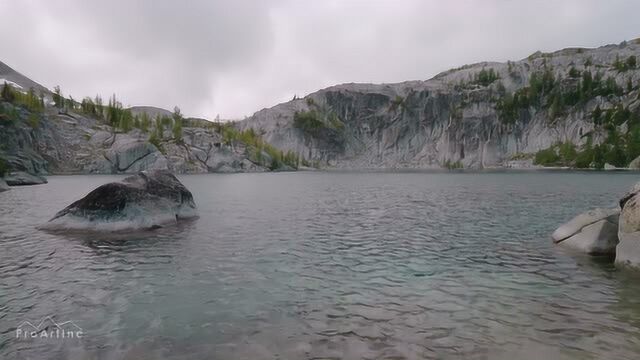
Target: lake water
[{"x": 325, "y": 265}]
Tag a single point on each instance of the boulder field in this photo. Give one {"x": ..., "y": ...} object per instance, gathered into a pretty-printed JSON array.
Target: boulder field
[
  {"x": 147, "y": 200},
  {"x": 606, "y": 232}
]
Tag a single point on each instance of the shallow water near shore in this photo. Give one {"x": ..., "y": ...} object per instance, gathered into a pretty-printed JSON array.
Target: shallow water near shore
[{"x": 357, "y": 265}]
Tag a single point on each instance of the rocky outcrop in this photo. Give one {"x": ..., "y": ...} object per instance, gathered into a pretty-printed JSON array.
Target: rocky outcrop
[
  {"x": 607, "y": 231},
  {"x": 594, "y": 232},
  {"x": 628, "y": 250},
  {"x": 3, "y": 185},
  {"x": 453, "y": 118},
  {"x": 74, "y": 143},
  {"x": 144, "y": 201},
  {"x": 21, "y": 178}
]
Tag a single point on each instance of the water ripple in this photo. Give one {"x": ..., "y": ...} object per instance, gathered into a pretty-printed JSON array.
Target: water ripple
[{"x": 325, "y": 266}]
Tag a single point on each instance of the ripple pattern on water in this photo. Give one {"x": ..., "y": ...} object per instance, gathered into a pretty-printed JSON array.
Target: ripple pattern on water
[{"x": 325, "y": 266}]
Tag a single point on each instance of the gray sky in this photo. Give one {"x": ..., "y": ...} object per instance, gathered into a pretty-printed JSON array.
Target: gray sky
[{"x": 235, "y": 57}]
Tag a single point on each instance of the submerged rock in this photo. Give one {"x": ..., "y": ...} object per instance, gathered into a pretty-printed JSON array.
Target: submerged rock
[
  {"x": 594, "y": 232},
  {"x": 628, "y": 250},
  {"x": 147, "y": 200},
  {"x": 20, "y": 178}
]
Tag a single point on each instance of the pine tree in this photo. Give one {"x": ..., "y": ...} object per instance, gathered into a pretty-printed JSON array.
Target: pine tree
[
  {"x": 177, "y": 124},
  {"x": 597, "y": 114},
  {"x": 7, "y": 93},
  {"x": 99, "y": 108},
  {"x": 58, "y": 99},
  {"x": 144, "y": 122},
  {"x": 177, "y": 130}
]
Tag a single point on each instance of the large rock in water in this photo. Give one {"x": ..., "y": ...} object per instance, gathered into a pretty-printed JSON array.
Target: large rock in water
[
  {"x": 20, "y": 178},
  {"x": 594, "y": 232},
  {"x": 147, "y": 200},
  {"x": 628, "y": 250}
]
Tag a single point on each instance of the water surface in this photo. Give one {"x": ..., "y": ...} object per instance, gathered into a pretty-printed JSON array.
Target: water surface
[{"x": 325, "y": 265}]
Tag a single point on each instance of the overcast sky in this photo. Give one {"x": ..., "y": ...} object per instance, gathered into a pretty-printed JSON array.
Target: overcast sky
[{"x": 235, "y": 57}]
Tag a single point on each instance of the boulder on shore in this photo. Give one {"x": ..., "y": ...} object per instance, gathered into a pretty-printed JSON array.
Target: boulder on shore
[
  {"x": 628, "y": 250},
  {"x": 20, "y": 178},
  {"x": 594, "y": 232},
  {"x": 146, "y": 200},
  {"x": 3, "y": 185}
]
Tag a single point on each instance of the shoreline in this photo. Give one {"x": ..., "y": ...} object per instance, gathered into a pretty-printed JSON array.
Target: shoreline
[{"x": 391, "y": 170}]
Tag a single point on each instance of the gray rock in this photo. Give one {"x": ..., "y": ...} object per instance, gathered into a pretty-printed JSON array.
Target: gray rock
[
  {"x": 630, "y": 215},
  {"x": 628, "y": 249},
  {"x": 599, "y": 238},
  {"x": 20, "y": 178},
  {"x": 422, "y": 124},
  {"x": 579, "y": 222},
  {"x": 131, "y": 155},
  {"x": 631, "y": 193},
  {"x": 147, "y": 200},
  {"x": 3, "y": 185},
  {"x": 635, "y": 163}
]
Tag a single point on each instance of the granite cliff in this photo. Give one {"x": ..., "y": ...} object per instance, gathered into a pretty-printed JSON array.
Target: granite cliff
[
  {"x": 43, "y": 134},
  {"x": 482, "y": 115}
]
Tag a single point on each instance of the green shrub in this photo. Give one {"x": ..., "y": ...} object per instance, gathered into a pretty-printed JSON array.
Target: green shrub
[
  {"x": 485, "y": 77},
  {"x": 307, "y": 121},
  {"x": 623, "y": 66},
  {"x": 155, "y": 140},
  {"x": 547, "y": 157},
  {"x": 452, "y": 165},
  {"x": 34, "y": 120}
]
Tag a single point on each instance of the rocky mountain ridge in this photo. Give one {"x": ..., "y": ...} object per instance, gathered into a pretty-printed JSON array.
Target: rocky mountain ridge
[
  {"x": 477, "y": 116},
  {"x": 43, "y": 134}
]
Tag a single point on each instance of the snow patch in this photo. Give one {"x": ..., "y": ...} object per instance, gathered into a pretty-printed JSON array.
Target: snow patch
[{"x": 15, "y": 85}]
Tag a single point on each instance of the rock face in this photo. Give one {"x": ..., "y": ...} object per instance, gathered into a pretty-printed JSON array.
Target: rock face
[
  {"x": 594, "y": 232},
  {"x": 74, "y": 143},
  {"x": 71, "y": 141},
  {"x": 450, "y": 118},
  {"x": 628, "y": 250},
  {"x": 21, "y": 178},
  {"x": 3, "y": 185},
  {"x": 144, "y": 201}
]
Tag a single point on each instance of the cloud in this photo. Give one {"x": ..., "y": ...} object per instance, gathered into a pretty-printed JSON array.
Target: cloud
[{"x": 234, "y": 57}]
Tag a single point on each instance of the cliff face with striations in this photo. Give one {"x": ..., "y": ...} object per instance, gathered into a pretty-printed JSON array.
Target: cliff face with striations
[
  {"x": 39, "y": 138},
  {"x": 481, "y": 115},
  {"x": 72, "y": 142}
]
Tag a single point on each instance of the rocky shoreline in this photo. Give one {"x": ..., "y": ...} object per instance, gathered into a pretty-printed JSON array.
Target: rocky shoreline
[{"x": 613, "y": 233}]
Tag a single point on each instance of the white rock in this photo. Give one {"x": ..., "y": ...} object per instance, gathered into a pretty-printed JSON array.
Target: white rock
[
  {"x": 599, "y": 238},
  {"x": 579, "y": 222},
  {"x": 628, "y": 250}
]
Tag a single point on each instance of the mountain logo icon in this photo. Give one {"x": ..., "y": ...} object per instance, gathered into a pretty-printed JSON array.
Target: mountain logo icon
[{"x": 48, "y": 328}]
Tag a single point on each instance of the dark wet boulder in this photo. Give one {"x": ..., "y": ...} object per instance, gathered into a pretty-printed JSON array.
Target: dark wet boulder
[{"x": 146, "y": 200}]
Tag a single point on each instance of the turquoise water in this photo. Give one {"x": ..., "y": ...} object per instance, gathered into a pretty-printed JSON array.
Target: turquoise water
[{"x": 325, "y": 265}]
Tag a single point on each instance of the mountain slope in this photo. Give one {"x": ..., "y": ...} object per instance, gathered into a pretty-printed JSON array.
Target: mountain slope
[
  {"x": 72, "y": 137},
  {"x": 23, "y": 83},
  {"x": 476, "y": 116}
]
